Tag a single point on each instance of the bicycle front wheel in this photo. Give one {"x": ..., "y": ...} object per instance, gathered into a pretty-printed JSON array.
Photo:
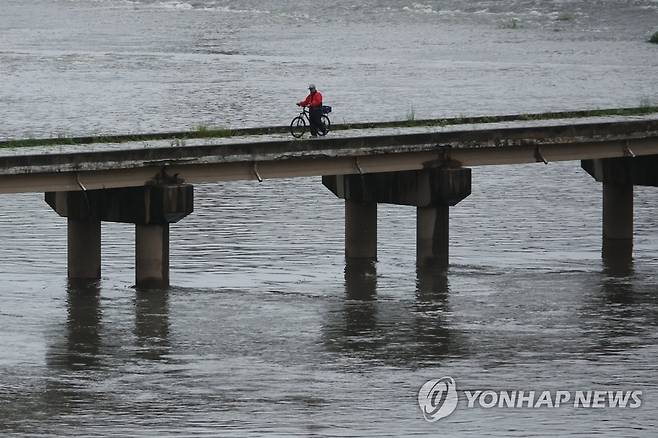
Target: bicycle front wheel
[
  {"x": 298, "y": 127},
  {"x": 326, "y": 123}
]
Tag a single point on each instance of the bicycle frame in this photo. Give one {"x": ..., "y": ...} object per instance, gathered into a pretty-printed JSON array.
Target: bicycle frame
[{"x": 304, "y": 115}]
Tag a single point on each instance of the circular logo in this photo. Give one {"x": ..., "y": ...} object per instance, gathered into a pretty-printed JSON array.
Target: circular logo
[{"x": 438, "y": 398}]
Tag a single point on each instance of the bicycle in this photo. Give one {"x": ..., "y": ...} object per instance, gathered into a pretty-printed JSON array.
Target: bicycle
[{"x": 300, "y": 123}]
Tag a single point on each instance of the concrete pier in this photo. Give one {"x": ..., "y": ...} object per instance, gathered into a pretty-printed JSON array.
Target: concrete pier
[
  {"x": 617, "y": 242},
  {"x": 618, "y": 176},
  {"x": 152, "y": 256},
  {"x": 360, "y": 279},
  {"x": 617, "y": 211},
  {"x": 431, "y": 284},
  {"x": 151, "y": 208},
  {"x": 432, "y": 191},
  {"x": 432, "y": 236},
  {"x": 360, "y": 230},
  {"x": 84, "y": 251}
]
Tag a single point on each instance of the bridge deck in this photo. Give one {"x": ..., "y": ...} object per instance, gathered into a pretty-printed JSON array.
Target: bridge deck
[{"x": 133, "y": 163}]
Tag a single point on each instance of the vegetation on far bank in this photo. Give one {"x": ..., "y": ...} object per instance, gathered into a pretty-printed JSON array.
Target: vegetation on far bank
[{"x": 202, "y": 131}]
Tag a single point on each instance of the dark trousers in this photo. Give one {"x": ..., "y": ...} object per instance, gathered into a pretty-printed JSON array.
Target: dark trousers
[{"x": 315, "y": 117}]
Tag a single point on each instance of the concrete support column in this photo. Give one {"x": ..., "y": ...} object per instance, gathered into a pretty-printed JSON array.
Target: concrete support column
[
  {"x": 360, "y": 279},
  {"x": 618, "y": 176},
  {"x": 84, "y": 250},
  {"x": 360, "y": 230},
  {"x": 617, "y": 211},
  {"x": 617, "y": 248},
  {"x": 152, "y": 256},
  {"x": 432, "y": 237}
]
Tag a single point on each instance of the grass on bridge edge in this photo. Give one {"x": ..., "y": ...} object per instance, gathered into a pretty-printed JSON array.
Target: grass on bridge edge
[{"x": 177, "y": 137}]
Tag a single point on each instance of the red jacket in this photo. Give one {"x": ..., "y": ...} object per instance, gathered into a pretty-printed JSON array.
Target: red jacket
[{"x": 313, "y": 100}]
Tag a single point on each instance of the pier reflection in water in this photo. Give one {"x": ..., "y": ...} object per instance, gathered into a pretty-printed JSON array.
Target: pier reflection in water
[
  {"x": 197, "y": 356},
  {"x": 75, "y": 357},
  {"x": 86, "y": 340},
  {"x": 623, "y": 309},
  {"x": 409, "y": 333},
  {"x": 152, "y": 323},
  {"x": 82, "y": 340},
  {"x": 92, "y": 350}
]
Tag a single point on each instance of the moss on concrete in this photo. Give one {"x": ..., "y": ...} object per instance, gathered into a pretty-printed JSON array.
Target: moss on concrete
[{"x": 210, "y": 133}]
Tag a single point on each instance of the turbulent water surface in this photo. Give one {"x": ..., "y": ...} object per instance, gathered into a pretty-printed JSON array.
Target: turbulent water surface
[{"x": 263, "y": 331}]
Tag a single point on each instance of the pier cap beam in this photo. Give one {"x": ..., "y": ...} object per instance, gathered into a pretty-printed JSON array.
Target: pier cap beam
[
  {"x": 145, "y": 205},
  {"x": 419, "y": 188},
  {"x": 637, "y": 171}
]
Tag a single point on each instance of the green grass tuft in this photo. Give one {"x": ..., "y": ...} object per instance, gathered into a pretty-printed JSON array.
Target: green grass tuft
[
  {"x": 179, "y": 138},
  {"x": 411, "y": 114},
  {"x": 654, "y": 38},
  {"x": 513, "y": 23},
  {"x": 565, "y": 16}
]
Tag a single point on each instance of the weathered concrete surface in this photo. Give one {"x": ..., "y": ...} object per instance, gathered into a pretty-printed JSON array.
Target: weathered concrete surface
[
  {"x": 360, "y": 230},
  {"x": 638, "y": 171},
  {"x": 84, "y": 250},
  {"x": 618, "y": 176},
  {"x": 152, "y": 204},
  {"x": 420, "y": 188},
  {"x": 499, "y": 138},
  {"x": 617, "y": 211},
  {"x": 210, "y": 161},
  {"x": 152, "y": 256},
  {"x": 433, "y": 237},
  {"x": 185, "y": 136}
]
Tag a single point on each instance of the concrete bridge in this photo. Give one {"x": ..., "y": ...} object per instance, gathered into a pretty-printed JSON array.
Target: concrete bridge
[{"x": 148, "y": 180}]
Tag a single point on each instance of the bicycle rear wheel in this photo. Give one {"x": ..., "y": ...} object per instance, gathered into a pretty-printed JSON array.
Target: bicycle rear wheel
[
  {"x": 326, "y": 123},
  {"x": 298, "y": 127}
]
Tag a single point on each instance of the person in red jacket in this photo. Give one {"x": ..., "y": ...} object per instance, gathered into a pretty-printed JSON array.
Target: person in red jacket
[{"x": 314, "y": 103}]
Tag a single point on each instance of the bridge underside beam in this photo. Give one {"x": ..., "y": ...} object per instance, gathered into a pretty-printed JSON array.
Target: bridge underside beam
[
  {"x": 104, "y": 175},
  {"x": 637, "y": 171}
]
